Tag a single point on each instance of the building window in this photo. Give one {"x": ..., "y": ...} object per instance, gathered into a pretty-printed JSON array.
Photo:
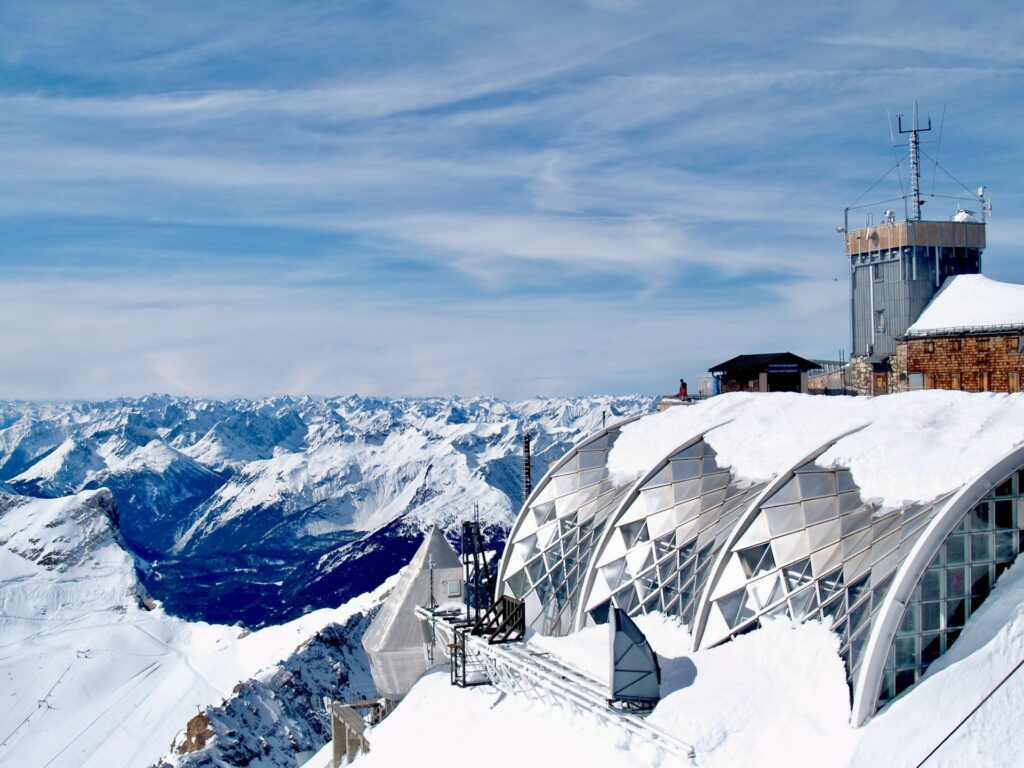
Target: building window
[
  {"x": 880, "y": 320},
  {"x": 1013, "y": 381},
  {"x": 954, "y": 345},
  {"x": 876, "y": 272},
  {"x": 984, "y": 379},
  {"x": 454, "y": 588},
  {"x": 915, "y": 381},
  {"x": 954, "y": 381},
  {"x": 956, "y": 583},
  {"x": 1011, "y": 343},
  {"x": 982, "y": 344},
  {"x": 929, "y": 347}
]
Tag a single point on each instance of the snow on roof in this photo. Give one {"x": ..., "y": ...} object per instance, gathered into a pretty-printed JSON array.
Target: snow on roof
[
  {"x": 914, "y": 446},
  {"x": 972, "y": 301}
]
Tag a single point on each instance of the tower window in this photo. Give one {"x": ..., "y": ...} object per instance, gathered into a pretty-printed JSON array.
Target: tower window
[
  {"x": 880, "y": 320},
  {"x": 876, "y": 272}
]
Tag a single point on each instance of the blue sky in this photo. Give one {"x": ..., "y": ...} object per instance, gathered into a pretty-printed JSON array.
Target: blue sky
[{"x": 477, "y": 198}]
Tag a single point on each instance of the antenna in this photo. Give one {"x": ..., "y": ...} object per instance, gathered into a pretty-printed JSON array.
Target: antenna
[
  {"x": 938, "y": 142},
  {"x": 915, "y": 160}
]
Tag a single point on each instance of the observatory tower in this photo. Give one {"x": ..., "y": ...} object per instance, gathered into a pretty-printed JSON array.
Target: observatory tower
[{"x": 897, "y": 266}]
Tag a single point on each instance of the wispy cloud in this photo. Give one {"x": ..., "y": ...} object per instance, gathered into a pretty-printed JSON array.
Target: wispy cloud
[{"x": 531, "y": 197}]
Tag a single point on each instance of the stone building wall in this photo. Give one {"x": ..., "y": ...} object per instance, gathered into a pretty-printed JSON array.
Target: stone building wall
[
  {"x": 862, "y": 378},
  {"x": 973, "y": 363}
]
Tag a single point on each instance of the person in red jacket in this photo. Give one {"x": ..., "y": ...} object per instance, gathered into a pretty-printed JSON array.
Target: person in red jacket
[{"x": 682, "y": 389}]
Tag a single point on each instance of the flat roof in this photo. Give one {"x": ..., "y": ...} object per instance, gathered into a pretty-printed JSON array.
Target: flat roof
[{"x": 779, "y": 361}]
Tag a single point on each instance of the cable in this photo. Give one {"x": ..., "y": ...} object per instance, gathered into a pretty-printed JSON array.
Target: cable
[
  {"x": 954, "y": 178},
  {"x": 884, "y": 176},
  {"x": 970, "y": 714},
  {"x": 942, "y": 122}
]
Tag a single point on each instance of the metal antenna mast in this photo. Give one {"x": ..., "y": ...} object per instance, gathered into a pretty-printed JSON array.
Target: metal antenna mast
[{"x": 915, "y": 160}]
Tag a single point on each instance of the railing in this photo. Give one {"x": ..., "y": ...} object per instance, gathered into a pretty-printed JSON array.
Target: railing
[{"x": 518, "y": 669}]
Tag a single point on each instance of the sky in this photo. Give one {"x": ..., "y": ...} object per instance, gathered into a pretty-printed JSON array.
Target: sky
[{"x": 475, "y": 198}]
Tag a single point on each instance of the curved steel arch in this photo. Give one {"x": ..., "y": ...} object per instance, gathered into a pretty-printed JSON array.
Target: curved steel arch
[
  {"x": 667, "y": 547},
  {"x": 544, "y": 481},
  {"x": 909, "y": 574},
  {"x": 741, "y": 526},
  {"x": 546, "y": 554},
  {"x": 602, "y": 543}
]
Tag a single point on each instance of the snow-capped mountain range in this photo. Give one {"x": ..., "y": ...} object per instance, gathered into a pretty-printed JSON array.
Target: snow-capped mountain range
[{"x": 258, "y": 511}]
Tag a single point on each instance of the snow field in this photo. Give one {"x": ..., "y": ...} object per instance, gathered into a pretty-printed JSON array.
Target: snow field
[
  {"x": 88, "y": 677},
  {"x": 774, "y": 697}
]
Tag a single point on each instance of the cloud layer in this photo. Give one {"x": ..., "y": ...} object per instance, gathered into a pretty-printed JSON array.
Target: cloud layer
[{"x": 408, "y": 198}]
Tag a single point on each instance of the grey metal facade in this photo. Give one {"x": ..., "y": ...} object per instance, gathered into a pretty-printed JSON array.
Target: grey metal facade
[{"x": 890, "y": 290}]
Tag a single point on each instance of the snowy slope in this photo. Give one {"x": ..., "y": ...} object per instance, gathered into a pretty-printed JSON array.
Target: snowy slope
[{"x": 90, "y": 676}]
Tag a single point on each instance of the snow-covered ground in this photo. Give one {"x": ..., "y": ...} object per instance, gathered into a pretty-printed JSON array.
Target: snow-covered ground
[
  {"x": 773, "y": 697},
  {"x": 89, "y": 676}
]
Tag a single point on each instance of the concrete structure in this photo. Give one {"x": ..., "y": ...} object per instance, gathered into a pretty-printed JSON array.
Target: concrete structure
[
  {"x": 689, "y": 539},
  {"x": 397, "y": 643}
]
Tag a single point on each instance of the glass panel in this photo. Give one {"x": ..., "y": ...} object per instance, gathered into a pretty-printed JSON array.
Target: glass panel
[
  {"x": 1004, "y": 514},
  {"x": 906, "y": 652},
  {"x": 930, "y": 616},
  {"x": 981, "y": 546},
  {"x": 910, "y": 624},
  {"x": 956, "y": 613},
  {"x": 856, "y": 589},
  {"x": 956, "y": 583},
  {"x": 1006, "y": 545},
  {"x": 930, "y": 648},
  {"x": 980, "y": 518},
  {"x": 817, "y": 484},
  {"x": 956, "y": 550},
  {"x": 931, "y": 585}
]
